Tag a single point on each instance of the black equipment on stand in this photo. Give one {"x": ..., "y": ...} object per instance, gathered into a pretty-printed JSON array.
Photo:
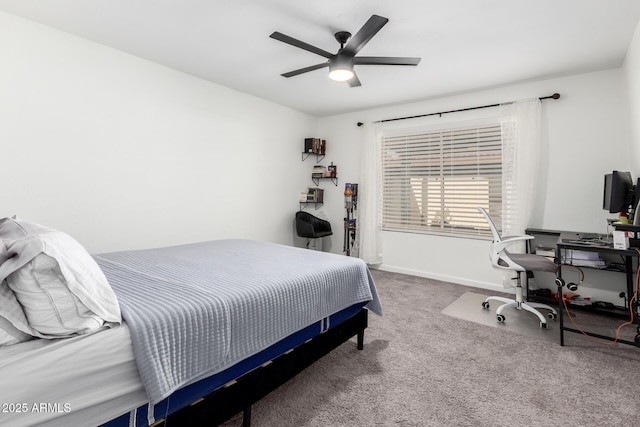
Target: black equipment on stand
[{"x": 350, "y": 247}]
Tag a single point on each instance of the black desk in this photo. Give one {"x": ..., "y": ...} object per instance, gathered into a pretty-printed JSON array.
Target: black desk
[{"x": 571, "y": 241}]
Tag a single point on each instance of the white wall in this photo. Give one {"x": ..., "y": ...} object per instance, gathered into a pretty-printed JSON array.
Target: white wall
[
  {"x": 123, "y": 153},
  {"x": 586, "y": 135},
  {"x": 632, "y": 73}
]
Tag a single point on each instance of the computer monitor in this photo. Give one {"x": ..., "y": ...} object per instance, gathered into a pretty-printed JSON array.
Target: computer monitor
[{"x": 618, "y": 192}]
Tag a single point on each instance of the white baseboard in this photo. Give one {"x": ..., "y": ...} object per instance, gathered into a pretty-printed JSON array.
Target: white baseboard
[{"x": 444, "y": 278}]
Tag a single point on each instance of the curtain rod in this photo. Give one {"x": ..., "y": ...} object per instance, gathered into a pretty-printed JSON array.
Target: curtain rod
[{"x": 554, "y": 96}]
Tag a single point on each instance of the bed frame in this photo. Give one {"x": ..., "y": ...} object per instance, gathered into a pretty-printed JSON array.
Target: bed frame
[{"x": 239, "y": 394}]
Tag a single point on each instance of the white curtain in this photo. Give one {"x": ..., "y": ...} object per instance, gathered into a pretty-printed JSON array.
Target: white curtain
[
  {"x": 368, "y": 220},
  {"x": 521, "y": 145}
]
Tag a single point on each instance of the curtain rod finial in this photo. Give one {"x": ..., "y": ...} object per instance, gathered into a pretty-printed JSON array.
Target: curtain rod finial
[{"x": 555, "y": 95}]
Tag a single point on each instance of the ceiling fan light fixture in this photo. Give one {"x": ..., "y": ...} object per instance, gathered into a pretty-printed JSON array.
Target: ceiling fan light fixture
[
  {"x": 341, "y": 68},
  {"x": 340, "y": 74}
]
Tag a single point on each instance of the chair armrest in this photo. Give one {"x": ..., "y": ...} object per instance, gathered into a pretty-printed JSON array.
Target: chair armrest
[
  {"x": 507, "y": 240},
  {"x": 323, "y": 225}
]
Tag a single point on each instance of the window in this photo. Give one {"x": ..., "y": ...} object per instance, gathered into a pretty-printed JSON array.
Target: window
[{"x": 432, "y": 182}]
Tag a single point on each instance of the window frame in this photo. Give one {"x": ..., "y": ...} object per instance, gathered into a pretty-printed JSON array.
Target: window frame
[{"x": 403, "y": 207}]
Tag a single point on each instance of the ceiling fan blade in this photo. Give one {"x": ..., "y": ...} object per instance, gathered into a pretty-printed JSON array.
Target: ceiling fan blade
[
  {"x": 362, "y": 37},
  {"x": 305, "y": 69},
  {"x": 385, "y": 60},
  {"x": 354, "y": 81},
  {"x": 300, "y": 44}
]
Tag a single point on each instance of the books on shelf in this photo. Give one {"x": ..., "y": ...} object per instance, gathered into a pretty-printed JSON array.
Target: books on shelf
[
  {"x": 315, "y": 145},
  {"x": 315, "y": 194}
]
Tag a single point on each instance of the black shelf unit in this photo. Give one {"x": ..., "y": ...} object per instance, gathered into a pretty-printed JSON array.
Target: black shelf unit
[
  {"x": 317, "y": 205},
  {"x": 564, "y": 241},
  {"x": 319, "y": 156},
  {"x": 552, "y": 237},
  {"x": 615, "y": 311},
  {"x": 316, "y": 180}
]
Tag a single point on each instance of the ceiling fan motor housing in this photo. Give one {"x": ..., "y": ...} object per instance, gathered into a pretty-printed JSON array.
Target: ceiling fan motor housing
[
  {"x": 342, "y": 37},
  {"x": 341, "y": 61}
]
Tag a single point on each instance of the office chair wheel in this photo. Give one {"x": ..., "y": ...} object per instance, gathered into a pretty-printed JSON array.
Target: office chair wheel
[
  {"x": 485, "y": 305},
  {"x": 637, "y": 339},
  {"x": 544, "y": 325},
  {"x": 500, "y": 318},
  {"x": 551, "y": 315}
]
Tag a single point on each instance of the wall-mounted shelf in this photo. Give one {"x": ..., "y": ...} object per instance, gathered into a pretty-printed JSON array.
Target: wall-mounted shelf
[
  {"x": 316, "y": 180},
  {"x": 304, "y": 205},
  {"x": 319, "y": 156},
  {"x": 315, "y": 196}
]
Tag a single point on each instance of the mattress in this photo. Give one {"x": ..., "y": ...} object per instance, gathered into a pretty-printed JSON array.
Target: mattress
[
  {"x": 146, "y": 414},
  {"x": 67, "y": 382},
  {"x": 93, "y": 380}
]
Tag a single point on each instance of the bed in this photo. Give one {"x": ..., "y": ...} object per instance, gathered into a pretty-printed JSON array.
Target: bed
[{"x": 201, "y": 331}]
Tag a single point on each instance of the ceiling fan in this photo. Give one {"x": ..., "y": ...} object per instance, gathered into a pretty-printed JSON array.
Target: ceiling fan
[{"x": 341, "y": 64}]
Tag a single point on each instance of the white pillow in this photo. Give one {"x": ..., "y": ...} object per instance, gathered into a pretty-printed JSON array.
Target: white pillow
[
  {"x": 9, "y": 334},
  {"x": 4, "y": 253},
  {"x": 51, "y": 308},
  {"x": 14, "y": 327},
  {"x": 61, "y": 288}
]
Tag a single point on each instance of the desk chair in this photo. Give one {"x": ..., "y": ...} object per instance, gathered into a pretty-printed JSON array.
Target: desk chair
[
  {"x": 520, "y": 263},
  {"x": 312, "y": 228}
]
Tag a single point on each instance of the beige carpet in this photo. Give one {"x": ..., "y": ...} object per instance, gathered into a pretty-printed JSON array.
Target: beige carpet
[{"x": 421, "y": 368}]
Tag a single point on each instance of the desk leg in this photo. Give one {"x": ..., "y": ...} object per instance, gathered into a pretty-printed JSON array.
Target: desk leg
[
  {"x": 560, "y": 283},
  {"x": 633, "y": 306},
  {"x": 628, "y": 265}
]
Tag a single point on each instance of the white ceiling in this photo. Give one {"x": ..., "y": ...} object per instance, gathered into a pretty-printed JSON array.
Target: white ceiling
[{"x": 464, "y": 44}]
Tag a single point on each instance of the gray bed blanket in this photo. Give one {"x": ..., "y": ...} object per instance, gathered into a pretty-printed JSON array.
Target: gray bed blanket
[{"x": 195, "y": 310}]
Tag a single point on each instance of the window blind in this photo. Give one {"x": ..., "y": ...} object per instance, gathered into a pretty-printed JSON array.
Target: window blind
[{"x": 432, "y": 182}]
